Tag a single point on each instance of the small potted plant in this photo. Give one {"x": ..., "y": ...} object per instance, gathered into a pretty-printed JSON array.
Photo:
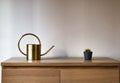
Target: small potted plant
[{"x": 88, "y": 54}]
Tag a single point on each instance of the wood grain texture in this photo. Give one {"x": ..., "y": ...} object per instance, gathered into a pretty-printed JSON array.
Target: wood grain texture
[
  {"x": 90, "y": 75},
  {"x": 30, "y": 75},
  {"x": 74, "y": 61},
  {"x": 61, "y": 70}
]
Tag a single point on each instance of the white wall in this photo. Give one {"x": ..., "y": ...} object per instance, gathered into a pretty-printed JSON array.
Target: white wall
[
  {"x": 93, "y": 24},
  {"x": 71, "y": 25}
]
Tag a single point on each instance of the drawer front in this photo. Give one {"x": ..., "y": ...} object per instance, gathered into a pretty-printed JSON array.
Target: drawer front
[
  {"x": 90, "y": 75},
  {"x": 30, "y": 75}
]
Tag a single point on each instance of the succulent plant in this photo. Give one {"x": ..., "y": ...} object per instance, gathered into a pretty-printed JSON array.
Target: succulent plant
[
  {"x": 88, "y": 54},
  {"x": 88, "y": 50}
]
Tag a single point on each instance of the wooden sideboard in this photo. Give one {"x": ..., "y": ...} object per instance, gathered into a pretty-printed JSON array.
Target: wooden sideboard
[{"x": 60, "y": 70}]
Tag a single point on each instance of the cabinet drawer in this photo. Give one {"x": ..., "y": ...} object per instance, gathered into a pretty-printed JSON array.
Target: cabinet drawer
[
  {"x": 90, "y": 75},
  {"x": 30, "y": 75}
]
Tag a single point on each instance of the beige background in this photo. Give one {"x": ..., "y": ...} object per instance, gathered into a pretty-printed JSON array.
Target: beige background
[{"x": 71, "y": 25}]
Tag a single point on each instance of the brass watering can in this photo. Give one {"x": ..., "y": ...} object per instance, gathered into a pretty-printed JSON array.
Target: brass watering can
[{"x": 33, "y": 50}]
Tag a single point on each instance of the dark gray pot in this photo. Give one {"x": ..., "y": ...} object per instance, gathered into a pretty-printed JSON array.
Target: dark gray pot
[{"x": 88, "y": 55}]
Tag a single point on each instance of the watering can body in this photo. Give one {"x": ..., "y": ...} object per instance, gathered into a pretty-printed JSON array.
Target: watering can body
[{"x": 33, "y": 51}]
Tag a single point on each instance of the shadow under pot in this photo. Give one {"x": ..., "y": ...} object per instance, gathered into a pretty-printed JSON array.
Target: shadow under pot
[{"x": 88, "y": 55}]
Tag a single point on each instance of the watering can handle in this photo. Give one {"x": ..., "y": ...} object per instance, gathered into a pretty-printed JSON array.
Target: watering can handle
[{"x": 24, "y": 36}]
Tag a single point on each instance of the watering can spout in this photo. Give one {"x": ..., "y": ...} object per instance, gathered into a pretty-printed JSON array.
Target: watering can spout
[{"x": 47, "y": 51}]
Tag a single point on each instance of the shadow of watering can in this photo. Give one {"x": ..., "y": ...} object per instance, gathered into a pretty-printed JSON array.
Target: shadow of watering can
[{"x": 33, "y": 50}]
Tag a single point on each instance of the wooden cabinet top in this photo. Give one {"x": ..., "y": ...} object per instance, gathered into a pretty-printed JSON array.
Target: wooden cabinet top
[{"x": 59, "y": 62}]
